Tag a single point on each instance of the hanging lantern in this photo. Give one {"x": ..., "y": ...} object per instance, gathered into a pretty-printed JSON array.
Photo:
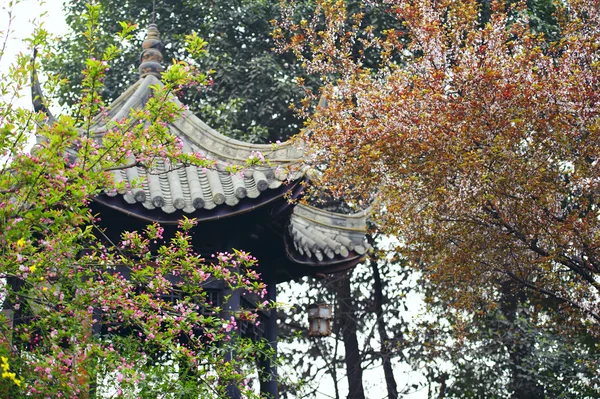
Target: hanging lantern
[{"x": 319, "y": 320}]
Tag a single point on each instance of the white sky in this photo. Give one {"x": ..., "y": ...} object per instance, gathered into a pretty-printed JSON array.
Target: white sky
[{"x": 26, "y": 13}]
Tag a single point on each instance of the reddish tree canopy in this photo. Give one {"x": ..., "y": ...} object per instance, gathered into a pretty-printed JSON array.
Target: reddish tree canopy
[{"x": 478, "y": 135}]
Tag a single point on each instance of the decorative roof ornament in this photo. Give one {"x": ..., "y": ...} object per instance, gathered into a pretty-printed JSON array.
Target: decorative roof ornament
[
  {"x": 151, "y": 57},
  {"x": 37, "y": 96}
]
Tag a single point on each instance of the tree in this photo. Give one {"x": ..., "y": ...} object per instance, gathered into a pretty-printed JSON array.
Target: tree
[
  {"x": 251, "y": 87},
  {"x": 73, "y": 325},
  {"x": 430, "y": 346},
  {"x": 370, "y": 326},
  {"x": 479, "y": 137},
  {"x": 501, "y": 353}
]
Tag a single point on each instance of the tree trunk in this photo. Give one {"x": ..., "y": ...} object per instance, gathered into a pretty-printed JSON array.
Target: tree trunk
[
  {"x": 348, "y": 327},
  {"x": 390, "y": 381},
  {"x": 519, "y": 346}
]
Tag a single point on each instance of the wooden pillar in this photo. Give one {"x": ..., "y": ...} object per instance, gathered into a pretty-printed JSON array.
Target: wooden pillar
[
  {"x": 8, "y": 308},
  {"x": 268, "y": 368},
  {"x": 10, "y": 316}
]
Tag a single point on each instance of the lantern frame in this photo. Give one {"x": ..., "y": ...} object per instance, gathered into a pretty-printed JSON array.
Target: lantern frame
[{"x": 319, "y": 320}]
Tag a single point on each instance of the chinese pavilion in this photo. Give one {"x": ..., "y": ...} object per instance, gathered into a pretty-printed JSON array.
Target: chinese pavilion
[{"x": 252, "y": 211}]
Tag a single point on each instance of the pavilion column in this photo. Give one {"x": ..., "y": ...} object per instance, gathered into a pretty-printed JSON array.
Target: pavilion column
[
  {"x": 8, "y": 309},
  {"x": 10, "y": 316},
  {"x": 268, "y": 368}
]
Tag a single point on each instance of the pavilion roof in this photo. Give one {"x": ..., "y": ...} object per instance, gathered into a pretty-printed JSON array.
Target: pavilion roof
[
  {"x": 190, "y": 188},
  {"x": 313, "y": 237}
]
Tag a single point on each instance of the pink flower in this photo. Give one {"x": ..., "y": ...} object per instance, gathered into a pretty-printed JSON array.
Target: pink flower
[{"x": 231, "y": 325}]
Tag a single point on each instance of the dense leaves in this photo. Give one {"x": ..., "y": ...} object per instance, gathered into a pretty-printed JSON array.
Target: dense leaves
[
  {"x": 480, "y": 139},
  {"x": 475, "y": 138},
  {"x": 502, "y": 353},
  {"x": 85, "y": 315},
  {"x": 251, "y": 87}
]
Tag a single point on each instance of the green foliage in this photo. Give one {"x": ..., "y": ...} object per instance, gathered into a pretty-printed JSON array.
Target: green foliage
[
  {"x": 500, "y": 352},
  {"x": 542, "y": 18},
  {"x": 252, "y": 87},
  {"x": 74, "y": 325}
]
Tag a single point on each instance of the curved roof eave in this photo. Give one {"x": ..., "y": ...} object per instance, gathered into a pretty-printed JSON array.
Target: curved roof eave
[{"x": 190, "y": 188}]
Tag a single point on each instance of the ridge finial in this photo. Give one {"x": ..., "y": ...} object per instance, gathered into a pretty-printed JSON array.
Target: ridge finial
[{"x": 151, "y": 57}]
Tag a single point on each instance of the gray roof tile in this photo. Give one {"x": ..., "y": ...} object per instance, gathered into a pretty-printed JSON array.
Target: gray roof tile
[{"x": 189, "y": 188}]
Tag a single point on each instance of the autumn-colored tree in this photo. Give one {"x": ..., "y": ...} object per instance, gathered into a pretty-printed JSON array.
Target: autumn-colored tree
[
  {"x": 84, "y": 315},
  {"x": 479, "y": 138}
]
